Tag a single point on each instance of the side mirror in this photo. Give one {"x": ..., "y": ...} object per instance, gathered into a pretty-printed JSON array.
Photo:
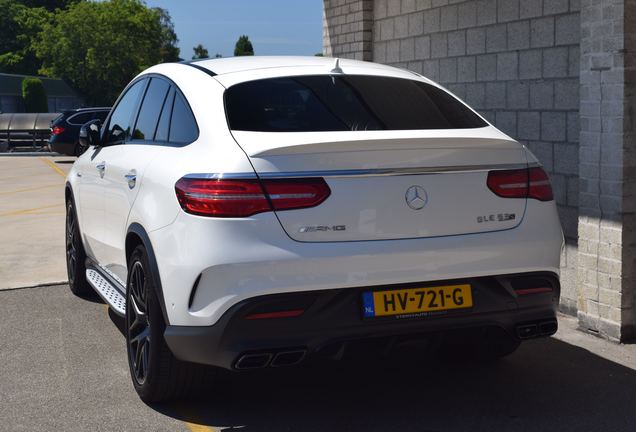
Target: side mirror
[{"x": 90, "y": 134}]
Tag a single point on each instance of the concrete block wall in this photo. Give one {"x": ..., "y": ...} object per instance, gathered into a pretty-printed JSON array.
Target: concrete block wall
[
  {"x": 607, "y": 225},
  {"x": 347, "y": 28}
]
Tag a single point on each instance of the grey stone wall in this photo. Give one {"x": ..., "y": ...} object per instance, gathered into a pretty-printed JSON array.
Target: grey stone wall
[
  {"x": 347, "y": 28},
  {"x": 607, "y": 225}
]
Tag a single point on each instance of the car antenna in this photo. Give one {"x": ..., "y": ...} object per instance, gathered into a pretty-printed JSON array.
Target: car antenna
[{"x": 336, "y": 67}]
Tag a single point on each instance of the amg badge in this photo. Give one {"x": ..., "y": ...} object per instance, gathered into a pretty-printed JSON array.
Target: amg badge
[{"x": 316, "y": 228}]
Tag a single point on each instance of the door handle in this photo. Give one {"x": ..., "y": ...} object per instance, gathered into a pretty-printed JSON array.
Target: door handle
[
  {"x": 131, "y": 178},
  {"x": 101, "y": 167}
]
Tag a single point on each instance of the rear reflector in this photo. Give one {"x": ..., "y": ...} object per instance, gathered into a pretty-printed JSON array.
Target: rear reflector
[
  {"x": 527, "y": 291},
  {"x": 523, "y": 183},
  {"x": 273, "y": 315},
  {"x": 242, "y": 198},
  {"x": 56, "y": 130}
]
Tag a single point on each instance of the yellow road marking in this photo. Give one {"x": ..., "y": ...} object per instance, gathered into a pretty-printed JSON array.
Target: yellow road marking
[
  {"x": 193, "y": 427},
  {"x": 56, "y": 168},
  {"x": 29, "y": 189},
  {"x": 29, "y": 211}
]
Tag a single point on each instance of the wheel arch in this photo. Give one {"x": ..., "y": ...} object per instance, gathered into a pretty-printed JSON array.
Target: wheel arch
[{"x": 135, "y": 236}]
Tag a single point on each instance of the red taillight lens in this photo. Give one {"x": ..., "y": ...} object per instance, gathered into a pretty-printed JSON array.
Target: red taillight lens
[
  {"x": 297, "y": 193},
  {"x": 56, "y": 130},
  {"x": 242, "y": 198},
  {"x": 524, "y": 183},
  {"x": 539, "y": 185}
]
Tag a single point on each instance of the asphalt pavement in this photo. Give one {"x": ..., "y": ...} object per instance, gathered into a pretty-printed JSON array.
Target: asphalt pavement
[
  {"x": 64, "y": 368},
  {"x": 63, "y": 360}
]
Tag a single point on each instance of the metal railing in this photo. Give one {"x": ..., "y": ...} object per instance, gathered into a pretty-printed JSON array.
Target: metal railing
[{"x": 25, "y": 131}]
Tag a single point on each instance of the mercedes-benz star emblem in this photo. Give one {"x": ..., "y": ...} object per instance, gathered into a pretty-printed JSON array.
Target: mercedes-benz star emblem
[{"x": 416, "y": 197}]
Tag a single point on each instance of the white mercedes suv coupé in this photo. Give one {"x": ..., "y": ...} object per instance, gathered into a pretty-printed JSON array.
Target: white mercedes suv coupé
[{"x": 258, "y": 212}]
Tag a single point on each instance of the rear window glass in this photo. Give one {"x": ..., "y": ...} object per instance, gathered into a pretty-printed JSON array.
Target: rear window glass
[{"x": 343, "y": 103}]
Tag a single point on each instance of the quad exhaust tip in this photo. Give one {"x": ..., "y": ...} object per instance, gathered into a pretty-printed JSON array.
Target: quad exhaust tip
[
  {"x": 537, "y": 329},
  {"x": 262, "y": 360},
  {"x": 253, "y": 361},
  {"x": 288, "y": 358}
]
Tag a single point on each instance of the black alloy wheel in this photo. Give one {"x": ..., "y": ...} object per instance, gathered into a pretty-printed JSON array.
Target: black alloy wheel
[
  {"x": 156, "y": 374},
  {"x": 75, "y": 254},
  {"x": 138, "y": 327}
]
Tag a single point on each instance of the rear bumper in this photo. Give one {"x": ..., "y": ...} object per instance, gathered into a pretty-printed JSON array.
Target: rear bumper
[
  {"x": 332, "y": 321},
  {"x": 66, "y": 148},
  {"x": 208, "y": 266}
]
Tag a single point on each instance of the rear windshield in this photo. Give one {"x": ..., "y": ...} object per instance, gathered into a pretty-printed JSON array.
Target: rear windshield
[{"x": 343, "y": 103}]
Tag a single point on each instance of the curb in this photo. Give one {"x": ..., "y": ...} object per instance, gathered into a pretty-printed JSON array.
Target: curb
[
  {"x": 17, "y": 154},
  {"x": 40, "y": 285}
]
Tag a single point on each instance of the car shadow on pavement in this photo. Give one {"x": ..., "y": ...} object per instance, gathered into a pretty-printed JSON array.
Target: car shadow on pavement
[{"x": 546, "y": 385}]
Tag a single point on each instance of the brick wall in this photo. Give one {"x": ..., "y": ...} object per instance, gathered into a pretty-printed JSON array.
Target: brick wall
[
  {"x": 607, "y": 226},
  {"x": 347, "y": 26}
]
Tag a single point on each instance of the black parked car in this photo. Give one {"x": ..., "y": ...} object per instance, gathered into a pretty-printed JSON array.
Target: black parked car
[{"x": 65, "y": 129}]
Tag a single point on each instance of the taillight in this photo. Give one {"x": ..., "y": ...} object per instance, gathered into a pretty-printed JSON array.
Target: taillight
[
  {"x": 524, "y": 183},
  {"x": 56, "y": 130},
  {"x": 242, "y": 198}
]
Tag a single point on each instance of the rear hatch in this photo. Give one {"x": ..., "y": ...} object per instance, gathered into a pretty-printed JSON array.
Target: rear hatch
[
  {"x": 392, "y": 188},
  {"x": 402, "y": 158}
]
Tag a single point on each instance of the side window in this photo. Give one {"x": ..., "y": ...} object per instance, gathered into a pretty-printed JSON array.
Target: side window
[
  {"x": 164, "y": 120},
  {"x": 183, "y": 127},
  {"x": 150, "y": 109},
  {"x": 120, "y": 124},
  {"x": 80, "y": 118}
]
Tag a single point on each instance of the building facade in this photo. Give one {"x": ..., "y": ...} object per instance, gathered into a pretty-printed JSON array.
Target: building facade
[
  {"x": 555, "y": 75},
  {"x": 59, "y": 95}
]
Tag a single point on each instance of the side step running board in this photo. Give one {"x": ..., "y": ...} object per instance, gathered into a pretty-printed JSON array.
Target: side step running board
[{"x": 107, "y": 291}]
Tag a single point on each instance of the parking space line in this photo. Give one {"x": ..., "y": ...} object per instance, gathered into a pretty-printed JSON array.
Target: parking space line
[
  {"x": 29, "y": 211},
  {"x": 29, "y": 189},
  {"x": 50, "y": 163},
  {"x": 193, "y": 427}
]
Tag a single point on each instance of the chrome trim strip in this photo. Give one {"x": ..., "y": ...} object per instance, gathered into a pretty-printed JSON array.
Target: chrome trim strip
[
  {"x": 218, "y": 176},
  {"x": 379, "y": 172},
  {"x": 387, "y": 172}
]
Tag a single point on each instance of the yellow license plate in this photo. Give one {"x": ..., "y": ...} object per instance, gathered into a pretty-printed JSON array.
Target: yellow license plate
[{"x": 417, "y": 300}]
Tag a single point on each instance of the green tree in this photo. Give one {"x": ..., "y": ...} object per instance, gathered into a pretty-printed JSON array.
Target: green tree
[
  {"x": 243, "y": 47},
  {"x": 49, "y": 5},
  {"x": 19, "y": 26},
  {"x": 99, "y": 47},
  {"x": 169, "y": 50},
  {"x": 34, "y": 95},
  {"x": 200, "y": 52}
]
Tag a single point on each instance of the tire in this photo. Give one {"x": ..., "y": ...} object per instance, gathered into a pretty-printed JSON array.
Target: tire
[
  {"x": 156, "y": 374},
  {"x": 75, "y": 254},
  {"x": 78, "y": 150}
]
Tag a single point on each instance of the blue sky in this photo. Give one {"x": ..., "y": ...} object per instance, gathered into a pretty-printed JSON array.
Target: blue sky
[{"x": 275, "y": 27}]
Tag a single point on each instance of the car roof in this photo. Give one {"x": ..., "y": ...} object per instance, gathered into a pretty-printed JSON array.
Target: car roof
[
  {"x": 89, "y": 109},
  {"x": 222, "y": 66}
]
